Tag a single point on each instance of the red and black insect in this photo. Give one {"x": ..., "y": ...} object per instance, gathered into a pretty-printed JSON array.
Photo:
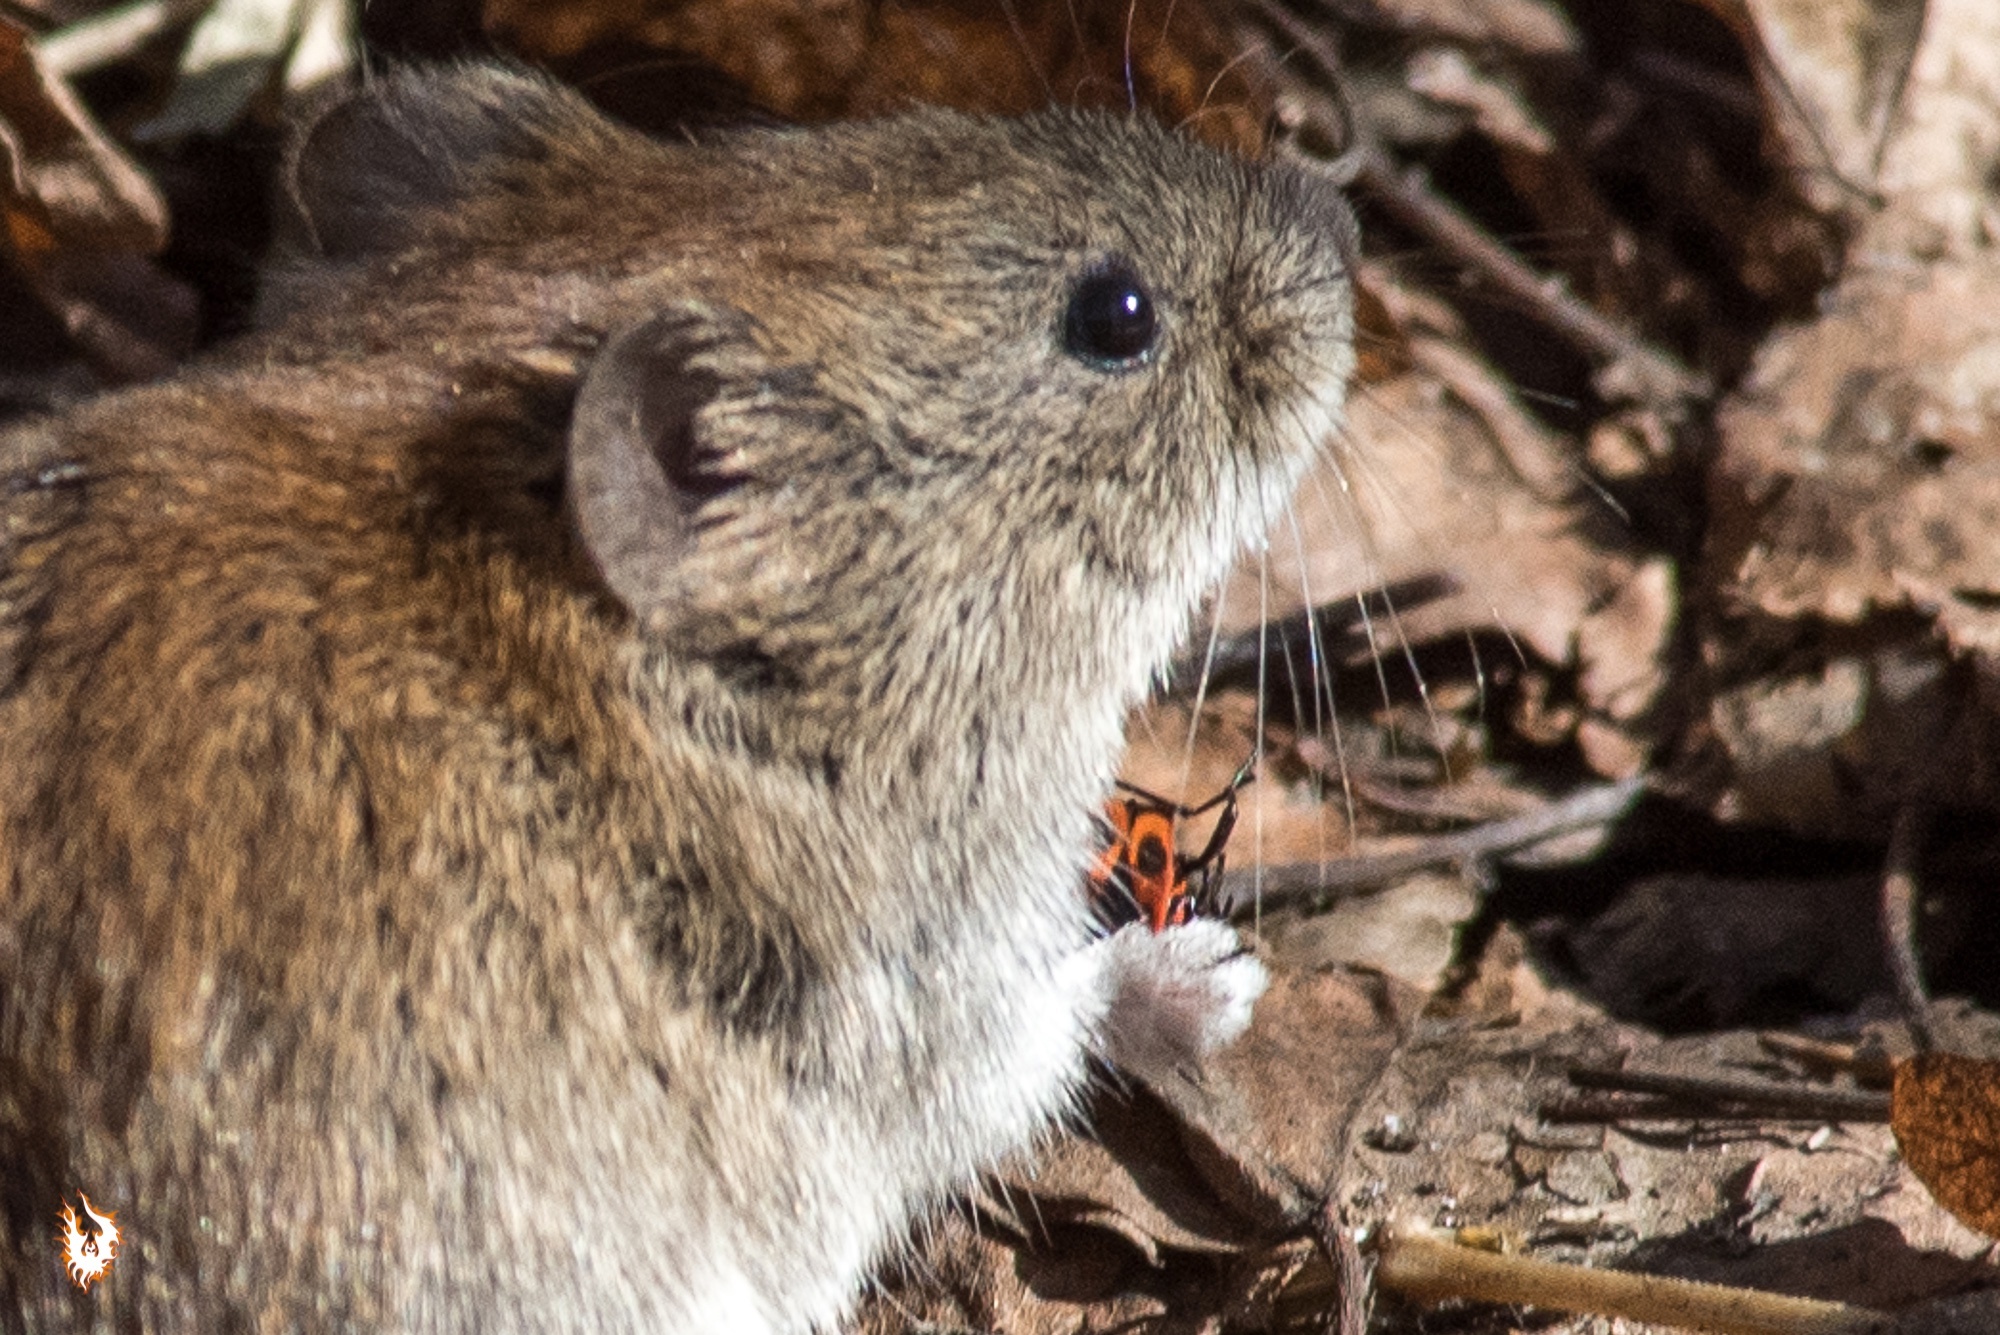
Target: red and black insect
[{"x": 1141, "y": 876}]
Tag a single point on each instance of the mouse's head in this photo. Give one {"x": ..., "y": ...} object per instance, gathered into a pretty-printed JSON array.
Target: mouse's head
[{"x": 892, "y": 412}]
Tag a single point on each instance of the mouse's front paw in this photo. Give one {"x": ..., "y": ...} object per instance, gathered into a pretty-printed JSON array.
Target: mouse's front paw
[{"x": 1176, "y": 995}]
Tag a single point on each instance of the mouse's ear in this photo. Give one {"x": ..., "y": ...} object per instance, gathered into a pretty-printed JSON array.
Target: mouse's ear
[
  {"x": 389, "y": 164},
  {"x": 641, "y": 460}
]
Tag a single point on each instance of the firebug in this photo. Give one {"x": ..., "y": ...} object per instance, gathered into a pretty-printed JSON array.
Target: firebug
[{"x": 1141, "y": 874}]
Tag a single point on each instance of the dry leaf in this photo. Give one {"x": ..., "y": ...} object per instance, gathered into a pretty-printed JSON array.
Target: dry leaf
[
  {"x": 1180, "y": 1204},
  {"x": 1946, "y": 1114},
  {"x": 1278, "y": 820},
  {"x": 77, "y": 219},
  {"x": 1830, "y": 73},
  {"x": 1862, "y": 465},
  {"x": 1855, "y": 496},
  {"x": 817, "y": 62},
  {"x": 1179, "y": 1214},
  {"x": 63, "y": 184}
]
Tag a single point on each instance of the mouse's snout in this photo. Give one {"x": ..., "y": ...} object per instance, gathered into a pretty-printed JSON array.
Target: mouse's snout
[
  {"x": 1294, "y": 319},
  {"x": 1307, "y": 201}
]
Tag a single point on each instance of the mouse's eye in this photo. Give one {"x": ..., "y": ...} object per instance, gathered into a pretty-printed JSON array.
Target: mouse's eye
[{"x": 1110, "y": 323}]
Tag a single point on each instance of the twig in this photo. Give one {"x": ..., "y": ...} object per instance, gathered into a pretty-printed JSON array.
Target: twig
[
  {"x": 1747, "y": 1096},
  {"x": 1868, "y": 1062},
  {"x": 1425, "y": 1267},
  {"x": 1429, "y": 801},
  {"x": 1625, "y": 1106},
  {"x": 1899, "y": 924},
  {"x": 1632, "y": 369},
  {"x": 1352, "y": 1271},
  {"x": 1600, "y": 805}
]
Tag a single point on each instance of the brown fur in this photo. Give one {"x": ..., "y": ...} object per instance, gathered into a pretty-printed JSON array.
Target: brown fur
[{"x": 414, "y": 915}]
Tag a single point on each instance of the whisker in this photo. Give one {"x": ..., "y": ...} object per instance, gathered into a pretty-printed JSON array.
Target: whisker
[
  {"x": 1131, "y": 89},
  {"x": 1374, "y": 578},
  {"x": 1208, "y": 94},
  {"x": 1150, "y": 723},
  {"x": 1028, "y": 53},
  {"x": 1439, "y": 741},
  {"x": 1075, "y": 21},
  {"x": 1479, "y": 671},
  {"x": 1201, "y": 686},
  {"x": 1320, "y": 677},
  {"x": 1257, "y": 738},
  {"x": 1299, "y": 712}
]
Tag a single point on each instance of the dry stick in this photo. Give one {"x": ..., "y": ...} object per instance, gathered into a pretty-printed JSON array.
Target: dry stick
[
  {"x": 1766, "y": 1096},
  {"x": 1899, "y": 924},
  {"x": 1634, "y": 370},
  {"x": 1629, "y": 1108},
  {"x": 1308, "y": 880},
  {"x": 1623, "y": 1106},
  {"x": 1423, "y": 1266},
  {"x": 1304, "y": 37},
  {"x": 1353, "y": 1275},
  {"x": 1868, "y": 1062}
]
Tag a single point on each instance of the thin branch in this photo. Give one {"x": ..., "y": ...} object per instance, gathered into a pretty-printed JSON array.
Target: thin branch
[
  {"x": 1900, "y": 894},
  {"x": 1632, "y": 369},
  {"x": 1724, "y": 1094},
  {"x": 1424, "y": 1266},
  {"x": 1311, "y": 880}
]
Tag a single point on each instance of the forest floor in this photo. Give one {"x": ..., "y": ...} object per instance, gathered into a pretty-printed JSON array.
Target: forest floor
[{"x": 1623, "y": 693}]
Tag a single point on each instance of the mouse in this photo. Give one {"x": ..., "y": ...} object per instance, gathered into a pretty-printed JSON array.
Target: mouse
[{"x": 550, "y": 784}]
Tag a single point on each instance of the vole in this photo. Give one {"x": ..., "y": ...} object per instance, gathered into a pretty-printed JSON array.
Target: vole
[{"x": 548, "y": 788}]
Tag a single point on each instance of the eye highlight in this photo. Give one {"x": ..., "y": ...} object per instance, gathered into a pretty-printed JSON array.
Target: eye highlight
[{"x": 1110, "y": 324}]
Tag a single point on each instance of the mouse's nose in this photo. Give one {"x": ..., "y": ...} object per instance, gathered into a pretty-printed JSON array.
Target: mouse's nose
[
  {"x": 1305, "y": 202},
  {"x": 1295, "y": 263}
]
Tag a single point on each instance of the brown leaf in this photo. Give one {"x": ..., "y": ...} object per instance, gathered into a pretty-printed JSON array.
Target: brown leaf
[
  {"x": 1829, "y": 74},
  {"x": 1865, "y": 450},
  {"x": 820, "y": 62},
  {"x": 63, "y": 184},
  {"x": 1946, "y": 1115},
  {"x": 77, "y": 218},
  {"x": 1857, "y": 482},
  {"x": 1182, "y": 1198},
  {"x": 1266, "y": 1127},
  {"x": 1189, "y": 760}
]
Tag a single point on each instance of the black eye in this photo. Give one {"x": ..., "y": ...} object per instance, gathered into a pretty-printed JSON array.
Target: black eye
[{"x": 1110, "y": 323}]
